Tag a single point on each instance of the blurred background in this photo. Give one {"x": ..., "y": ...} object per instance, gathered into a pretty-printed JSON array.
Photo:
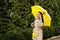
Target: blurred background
[{"x": 16, "y": 19}]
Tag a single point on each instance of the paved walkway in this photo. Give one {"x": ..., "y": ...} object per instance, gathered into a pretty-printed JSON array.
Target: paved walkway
[{"x": 54, "y": 38}]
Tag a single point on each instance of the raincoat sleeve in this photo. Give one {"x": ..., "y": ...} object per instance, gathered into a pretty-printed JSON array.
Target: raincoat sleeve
[{"x": 41, "y": 24}]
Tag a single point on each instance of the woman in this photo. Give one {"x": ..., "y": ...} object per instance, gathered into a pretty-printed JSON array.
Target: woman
[{"x": 37, "y": 30}]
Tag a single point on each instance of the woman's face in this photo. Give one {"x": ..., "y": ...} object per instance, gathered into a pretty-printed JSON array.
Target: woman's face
[{"x": 38, "y": 16}]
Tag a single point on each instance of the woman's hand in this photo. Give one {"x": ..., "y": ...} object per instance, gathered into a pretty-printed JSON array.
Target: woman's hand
[{"x": 32, "y": 24}]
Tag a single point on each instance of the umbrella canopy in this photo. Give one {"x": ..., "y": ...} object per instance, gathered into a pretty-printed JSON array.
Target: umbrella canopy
[{"x": 46, "y": 16}]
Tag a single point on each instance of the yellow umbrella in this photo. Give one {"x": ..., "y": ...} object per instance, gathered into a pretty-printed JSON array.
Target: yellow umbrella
[{"x": 46, "y": 16}]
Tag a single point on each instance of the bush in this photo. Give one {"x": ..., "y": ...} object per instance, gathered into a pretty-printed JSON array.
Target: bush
[
  {"x": 51, "y": 31},
  {"x": 17, "y": 34}
]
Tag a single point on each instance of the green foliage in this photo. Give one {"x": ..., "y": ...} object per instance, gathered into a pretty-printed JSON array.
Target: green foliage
[{"x": 17, "y": 34}]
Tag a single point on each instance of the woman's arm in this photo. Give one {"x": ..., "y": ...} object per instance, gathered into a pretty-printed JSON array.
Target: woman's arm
[{"x": 41, "y": 24}]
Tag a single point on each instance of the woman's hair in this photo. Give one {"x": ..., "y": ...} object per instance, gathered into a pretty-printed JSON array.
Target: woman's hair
[{"x": 41, "y": 16}]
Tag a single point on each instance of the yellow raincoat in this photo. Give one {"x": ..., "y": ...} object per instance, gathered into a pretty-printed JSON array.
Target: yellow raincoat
[{"x": 46, "y": 16}]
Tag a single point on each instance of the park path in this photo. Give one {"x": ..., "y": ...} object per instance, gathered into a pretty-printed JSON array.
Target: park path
[{"x": 54, "y": 38}]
